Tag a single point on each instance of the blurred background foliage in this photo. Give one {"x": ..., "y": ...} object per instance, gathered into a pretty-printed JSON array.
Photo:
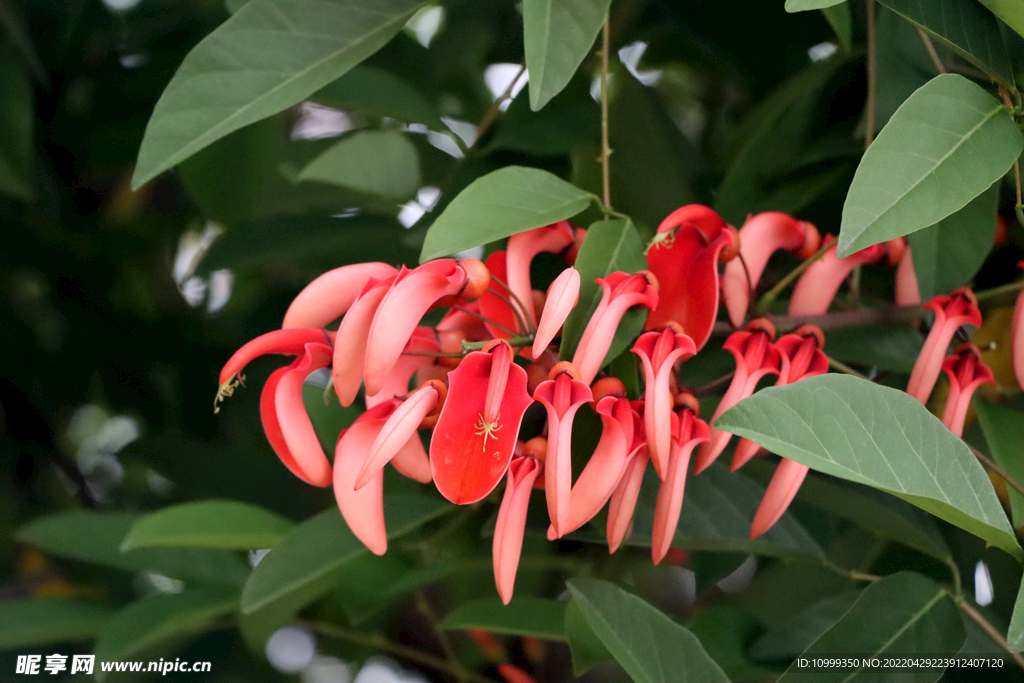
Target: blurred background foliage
[{"x": 118, "y": 308}]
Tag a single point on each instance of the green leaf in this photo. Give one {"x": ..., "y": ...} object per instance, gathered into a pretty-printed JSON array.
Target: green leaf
[
  {"x": 723, "y": 630},
  {"x": 377, "y": 92},
  {"x": 838, "y": 17},
  {"x": 524, "y": 616},
  {"x": 856, "y": 430},
  {"x": 587, "y": 649},
  {"x": 943, "y": 147},
  {"x": 647, "y": 643},
  {"x": 16, "y": 172},
  {"x": 569, "y": 121},
  {"x": 965, "y": 26},
  {"x": 13, "y": 25},
  {"x": 96, "y": 537},
  {"x": 882, "y": 514},
  {"x": 381, "y": 162},
  {"x": 1004, "y": 433},
  {"x": 1010, "y": 11},
  {"x": 152, "y": 621},
  {"x": 948, "y": 254},
  {"x": 368, "y": 584},
  {"x": 804, "y": 5},
  {"x": 787, "y": 639},
  {"x": 610, "y": 246},
  {"x": 33, "y": 621},
  {"x": 268, "y": 56},
  {"x": 1015, "y": 636},
  {"x": 893, "y": 346},
  {"x": 305, "y": 564},
  {"x": 208, "y": 524},
  {"x": 557, "y": 35},
  {"x": 905, "y": 615},
  {"x": 500, "y": 204}
]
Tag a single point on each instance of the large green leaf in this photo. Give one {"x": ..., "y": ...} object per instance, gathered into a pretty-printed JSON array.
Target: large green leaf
[
  {"x": 500, "y": 204},
  {"x": 154, "y": 620},
  {"x": 963, "y": 25},
  {"x": 856, "y": 430},
  {"x": 788, "y": 638},
  {"x": 16, "y": 174},
  {"x": 943, "y": 147},
  {"x": 1004, "y": 434},
  {"x": 610, "y": 246},
  {"x": 225, "y": 524},
  {"x": 893, "y": 346},
  {"x": 381, "y": 93},
  {"x": 587, "y": 649},
  {"x": 804, "y": 5},
  {"x": 948, "y": 254},
  {"x": 33, "y": 621},
  {"x": 97, "y": 536},
  {"x": 838, "y": 17},
  {"x": 1015, "y": 636},
  {"x": 304, "y": 565},
  {"x": 723, "y": 631},
  {"x": 381, "y": 162},
  {"x": 557, "y": 35},
  {"x": 524, "y": 616},
  {"x": 647, "y": 643},
  {"x": 1010, "y": 11},
  {"x": 901, "y": 615},
  {"x": 268, "y": 56}
]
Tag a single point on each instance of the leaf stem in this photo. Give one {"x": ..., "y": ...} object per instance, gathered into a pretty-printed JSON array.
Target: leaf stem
[
  {"x": 423, "y": 605},
  {"x": 487, "y": 120},
  {"x": 843, "y": 367},
  {"x": 995, "y": 292},
  {"x": 386, "y": 645},
  {"x": 989, "y": 629},
  {"x": 605, "y": 148},
  {"x": 930, "y": 47},
  {"x": 991, "y": 464},
  {"x": 769, "y": 297}
]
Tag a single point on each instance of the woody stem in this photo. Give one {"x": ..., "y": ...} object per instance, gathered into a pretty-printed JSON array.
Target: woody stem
[{"x": 605, "y": 148}]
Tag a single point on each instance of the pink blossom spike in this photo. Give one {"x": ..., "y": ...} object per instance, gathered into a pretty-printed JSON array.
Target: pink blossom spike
[
  {"x": 966, "y": 373},
  {"x": 362, "y": 509},
  {"x": 397, "y": 382},
  {"x": 603, "y": 471},
  {"x": 907, "y": 292},
  {"x": 818, "y": 285},
  {"x": 780, "y": 493},
  {"x": 522, "y": 248},
  {"x": 624, "y": 497},
  {"x": 508, "y": 531},
  {"x": 562, "y": 397},
  {"x": 760, "y": 237},
  {"x": 330, "y": 295},
  {"x": 659, "y": 352},
  {"x": 689, "y": 431},
  {"x": 619, "y": 293},
  {"x": 396, "y": 432},
  {"x": 409, "y": 298},
  {"x": 563, "y": 294},
  {"x": 350, "y": 344},
  {"x": 951, "y": 312},
  {"x": 296, "y": 430}
]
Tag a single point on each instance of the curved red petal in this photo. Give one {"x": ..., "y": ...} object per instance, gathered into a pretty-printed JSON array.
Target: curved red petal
[{"x": 330, "y": 295}]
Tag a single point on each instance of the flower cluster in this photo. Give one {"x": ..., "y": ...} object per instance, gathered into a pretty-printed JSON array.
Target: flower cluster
[{"x": 494, "y": 353}]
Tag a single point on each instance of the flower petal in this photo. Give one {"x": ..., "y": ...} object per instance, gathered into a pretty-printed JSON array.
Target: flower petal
[
  {"x": 563, "y": 294},
  {"x": 508, "y": 531},
  {"x": 330, "y": 295}
]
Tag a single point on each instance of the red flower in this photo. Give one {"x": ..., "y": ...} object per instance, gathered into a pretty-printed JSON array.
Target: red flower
[
  {"x": 951, "y": 312},
  {"x": 619, "y": 293},
  {"x": 966, "y": 373},
  {"x": 684, "y": 258},
  {"x": 508, "y": 531},
  {"x": 328, "y": 297},
  {"x": 476, "y": 433},
  {"x": 818, "y": 285}
]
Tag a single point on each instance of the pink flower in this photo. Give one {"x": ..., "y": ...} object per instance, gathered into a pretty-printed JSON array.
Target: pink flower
[
  {"x": 966, "y": 373},
  {"x": 476, "y": 433},
  {"x": 626, "y": 493},
  {"x": 688, "y": 431},
  {"x": 756, "y": 357},
  {"x": 423, "y": 341},
  {"x": 619, "y": 293},
  {"x": 817, "y": 287},
  {"x": 562, "y": 296},
  {"x": 523, "y": 247},
  {"x": 907, "y": 291},
  {"x": 284, "y": 417},
  {"x": 659, "y": 352},
  {"x": 350, "y": 344},
  {"x": 562, "y": 395},
  {"x": 330, "y": 295},
  {"x": 684, "y": 258},
  {"x": 760, "y": 237},
  {"x": 779, "y": 494},
  {"x": 951, "y": 312},
  {"x": 508, "y": 531}
]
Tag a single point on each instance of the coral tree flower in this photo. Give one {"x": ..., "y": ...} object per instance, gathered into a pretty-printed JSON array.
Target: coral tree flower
[
  {"x": 563, "y": 294},
  {"x": 627, "y": 491},
  {"x": 562, "y": 395},
  {"x": 508, "y": 531},
  {"x": 756, "y": 356},
  {"x": 329, "y": 296},
  {"x": 959, "y": 308},
  {"x": 817, "y": 287},
  {"x": 688, "y": 431},
  {"x": 659, "y": 352},
  {"x": 619, "y": 293},
  {"x": 284, "y": 417},
  {"x": 476, "y": 432},
  {"x": 684, "y": 258},
  {"x": 966, "y": 373},
  {"x": 760, "y": 237}
]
